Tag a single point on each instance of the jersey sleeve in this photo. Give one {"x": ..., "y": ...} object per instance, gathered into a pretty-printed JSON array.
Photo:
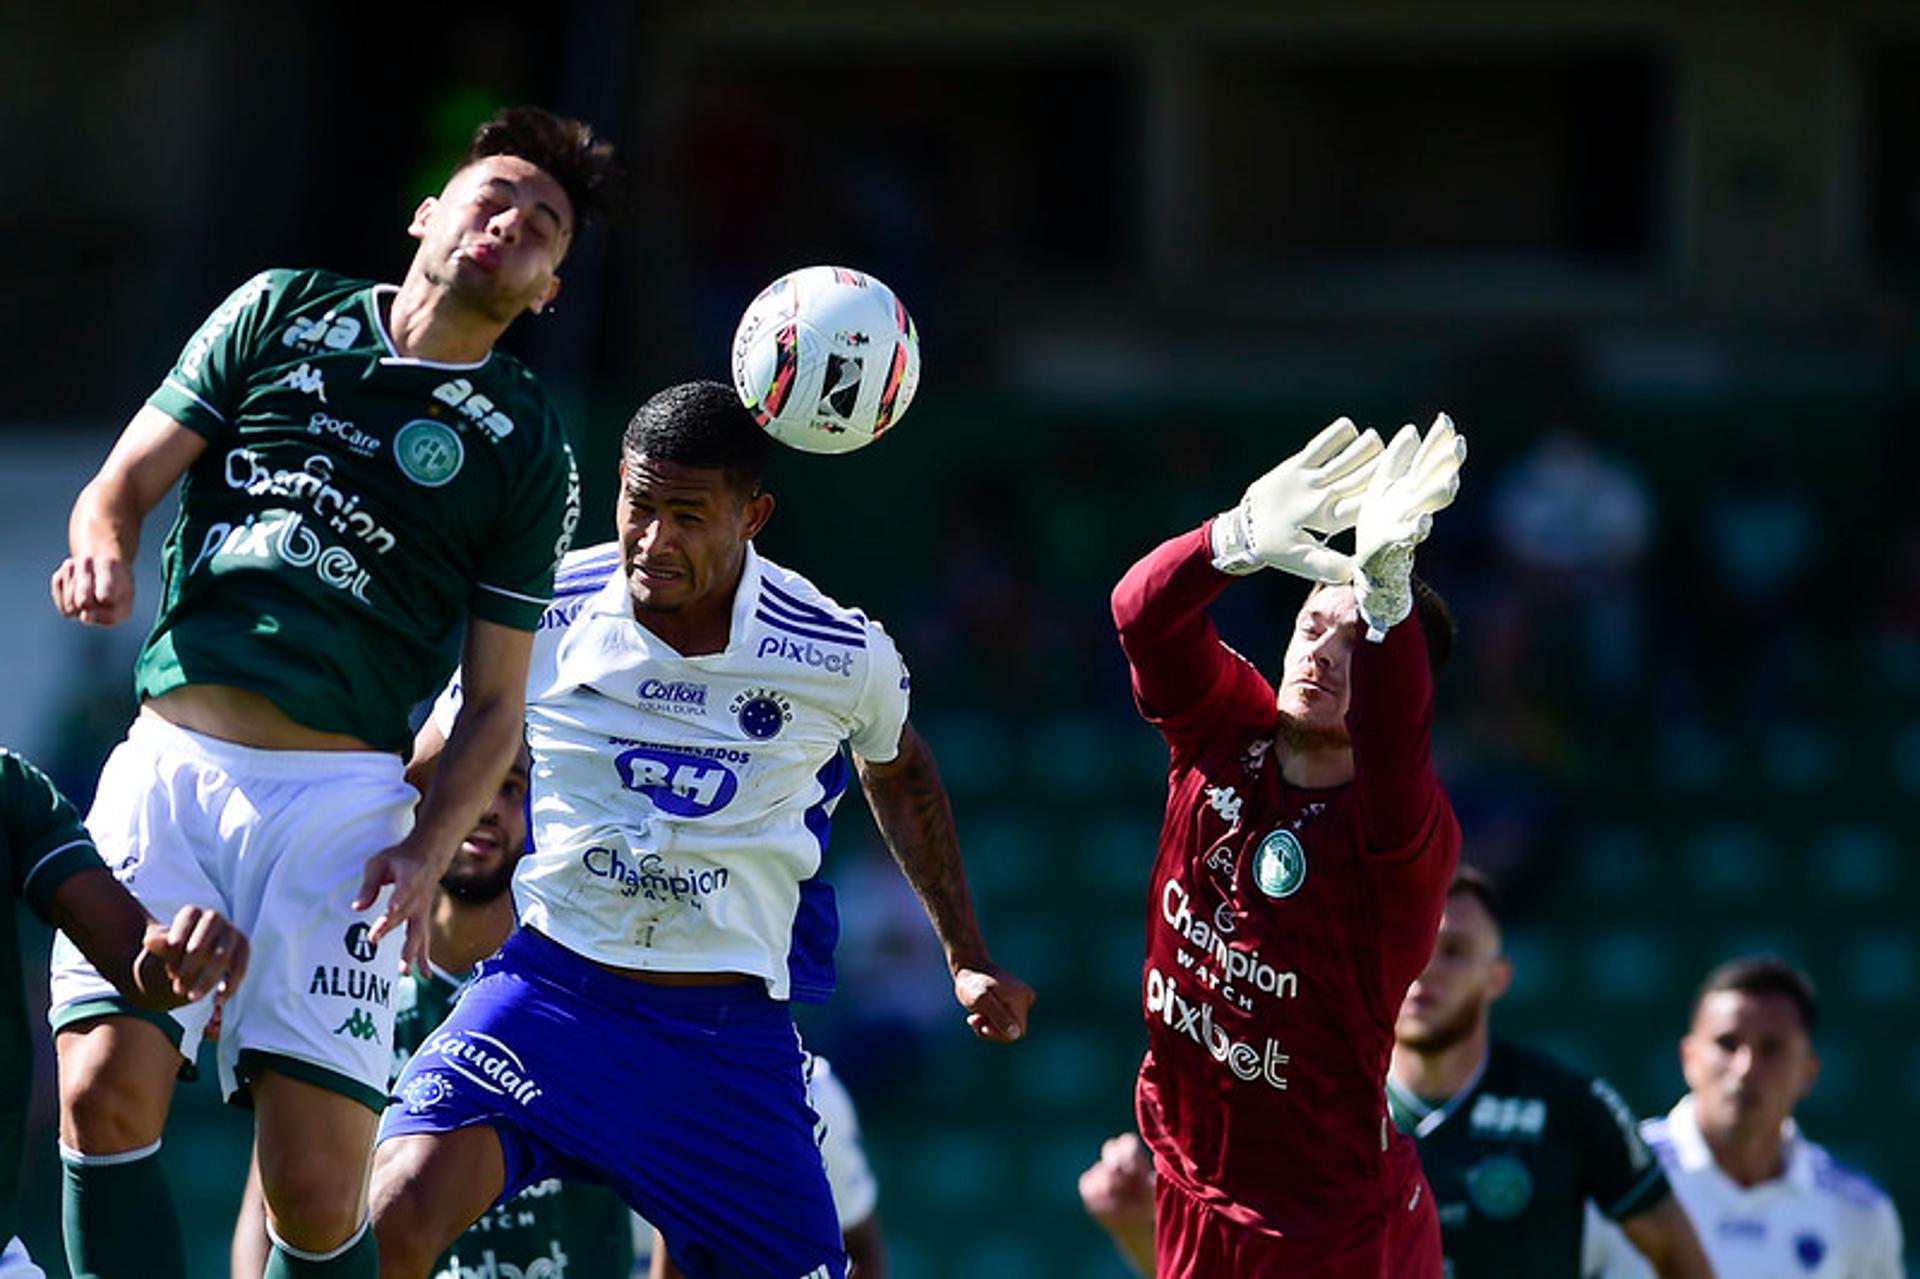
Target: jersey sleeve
[
  {"x": 446, "y": 706},
  {"x": 881, "y": 713},
  {"x": 534, "y": 530},
  {"x": 1185, "y": 679},
  {"x": 1618, "y": 1171},
  {"x": 856, "y": 1191},
  {"x": 43, "y": 832},
  {"x": 1881, "y": 1244},
  {"x": 206, "y": 386}
]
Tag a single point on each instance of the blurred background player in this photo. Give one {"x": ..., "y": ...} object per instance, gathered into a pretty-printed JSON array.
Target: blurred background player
[
  {"x": 690, "y": 708},
  {"x": 1766, "y": 1202},
  {"x": 856, "y": 1192},
  {"x": 1513, "y": 1143},
  {"x": 1303, "y": 863},
  {"x": 570, "y": 1227},
  {"x": 51, "y": 864},
  {"x": 361, "y": 473}
]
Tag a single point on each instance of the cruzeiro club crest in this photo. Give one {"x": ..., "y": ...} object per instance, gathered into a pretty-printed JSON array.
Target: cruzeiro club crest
[
  {"x": 429, "y": 453},
  {"x": 1280, "y": 867}
]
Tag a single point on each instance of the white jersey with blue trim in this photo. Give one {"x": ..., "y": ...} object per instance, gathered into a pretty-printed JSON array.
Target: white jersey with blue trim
[
  {"x": 681, "y": 805},
  {"x": 1818, "y": 1220}
]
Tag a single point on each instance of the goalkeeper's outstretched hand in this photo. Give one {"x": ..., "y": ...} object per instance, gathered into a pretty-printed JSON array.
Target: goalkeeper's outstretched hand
[
  {"x": 1284, "y": 517},
  {"x": 1414, "y": 479}
]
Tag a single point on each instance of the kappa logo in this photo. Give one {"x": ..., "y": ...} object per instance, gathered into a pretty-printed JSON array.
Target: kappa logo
[
  {"x": 359, "y": 1025},
  {"x": 307, "y": 379},
  {"x": 429, "y": 453},
  {"x": 359, "y": 944},
  {"x": 1225, "y": 802},
  {"x": 1280, "y": 867}
]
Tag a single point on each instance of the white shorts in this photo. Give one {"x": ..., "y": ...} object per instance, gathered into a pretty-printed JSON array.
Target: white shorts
[
  {"x": 276, "y": 841},
  {"x": 16, "y": 1264}
]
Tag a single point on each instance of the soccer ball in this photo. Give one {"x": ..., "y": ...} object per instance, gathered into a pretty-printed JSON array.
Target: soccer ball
[{"x": 826, "y": 358}]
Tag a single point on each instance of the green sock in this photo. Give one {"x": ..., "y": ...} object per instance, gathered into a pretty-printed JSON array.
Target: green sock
[
  {"x": 359, "y": 1258},
  {"x": 117, "y": 1216}
]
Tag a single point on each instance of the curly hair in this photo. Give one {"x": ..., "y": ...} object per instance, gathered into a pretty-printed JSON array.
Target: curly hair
[{"x": 563, "y": 148}]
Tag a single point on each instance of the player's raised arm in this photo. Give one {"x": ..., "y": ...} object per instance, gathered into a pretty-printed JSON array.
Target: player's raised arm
[
  {"x": 911, "y": 808},
  {"x": 95, "y": 582},
  {"x": 477, "y": 752}
]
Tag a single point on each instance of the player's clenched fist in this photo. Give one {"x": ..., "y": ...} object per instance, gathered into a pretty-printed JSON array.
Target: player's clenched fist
[
  {"x": 97, "y": 589},
  {"x": 996, "y": 1001},
  {"x": 196, "y": 954}
]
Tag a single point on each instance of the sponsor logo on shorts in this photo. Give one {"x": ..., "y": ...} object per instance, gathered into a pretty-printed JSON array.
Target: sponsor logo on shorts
[
  {"x": 761, "y": 713},
  {"x": 1194, "y": 1019},
  {"x": 425, "y": 1091},
  {"x": 651, "y": 877},
  {"x": 356, "y": 984},
  {"x": 835, "y": 661},
  {"x": 485, "y": 1061},
  {"x": 678, "y": 782},
  {"x": 359, "y": 944},
  {"x": 359, "y": 1025}
]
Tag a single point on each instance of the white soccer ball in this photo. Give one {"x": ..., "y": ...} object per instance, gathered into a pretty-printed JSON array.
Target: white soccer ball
[{"x": 826, "y": 358}]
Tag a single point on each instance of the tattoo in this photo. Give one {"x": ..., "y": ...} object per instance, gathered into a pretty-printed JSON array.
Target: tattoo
[{"x": 911, "y": 808}]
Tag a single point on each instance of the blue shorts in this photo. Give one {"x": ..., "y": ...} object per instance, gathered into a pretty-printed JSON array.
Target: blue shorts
[{"x": 690, "y": 1101}]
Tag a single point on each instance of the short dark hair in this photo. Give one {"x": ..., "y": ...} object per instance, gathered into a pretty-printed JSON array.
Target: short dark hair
[
  {"x": 702, "y": 424},
  {"x": 1762, "y": 975},
  {"x": 1469, "y": 881},
  {"x": 565, "y": 149},
  {"x": 1436, "y": 623}
]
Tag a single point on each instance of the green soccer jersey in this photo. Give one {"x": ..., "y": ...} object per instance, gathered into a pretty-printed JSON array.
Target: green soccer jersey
[
  {"x": 562, "y": 1229},
  {"x": 1514, "y": 1157},
  {"x": 42, "y": 844},
  {"x": 351, "y": 507}
]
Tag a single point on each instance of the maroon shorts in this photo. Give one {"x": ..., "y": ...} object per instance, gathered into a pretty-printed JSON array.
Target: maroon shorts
[{"x": 1194, "y": 1241}]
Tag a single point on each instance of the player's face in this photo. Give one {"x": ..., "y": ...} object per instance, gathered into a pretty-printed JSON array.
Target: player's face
[
  {"x": 683, "y": 533},
  {"x": 494, "y": 238},
  {"x": 1449, "y": 1000},
  {"x": 1748, "y": 1061},
  {"x": 1316, "y": 671},
  {"x": 483, "y": 867}
]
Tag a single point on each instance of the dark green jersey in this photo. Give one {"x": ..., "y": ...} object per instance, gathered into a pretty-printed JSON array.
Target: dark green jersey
[
  {"x": 563, "y": 1229},
  {"x": 1514, "y": 1157},
  {"x": 351, "y": 508},
  {"x": 42, "y": 844}
]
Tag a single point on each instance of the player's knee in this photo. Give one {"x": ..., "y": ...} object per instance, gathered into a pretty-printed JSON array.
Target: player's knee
[
  {"x": 110, "y": 1102},
  {"x": 314, "y": 1202}
]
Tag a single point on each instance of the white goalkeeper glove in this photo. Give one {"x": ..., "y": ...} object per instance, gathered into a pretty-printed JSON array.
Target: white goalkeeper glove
[
  {"x": 1282, "y": 520},
  {"x": 1414, "y": 479}
]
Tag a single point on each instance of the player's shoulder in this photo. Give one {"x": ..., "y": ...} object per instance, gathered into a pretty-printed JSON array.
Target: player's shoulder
[
  {"x": 789, "y": 602},
  {"x": 1658, "y": 1133},
  {"x": 514, "y": 388},
  {"x": 1845, "y": 1184},
  {"x": 582, "y": 573},
  {"x": 289, "y": 286}
]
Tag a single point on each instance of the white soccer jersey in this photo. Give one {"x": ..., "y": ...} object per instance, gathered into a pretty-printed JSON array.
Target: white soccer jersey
[
  {"x": 1821, "y": 1220},
  {"x": 681, "y": 804}
]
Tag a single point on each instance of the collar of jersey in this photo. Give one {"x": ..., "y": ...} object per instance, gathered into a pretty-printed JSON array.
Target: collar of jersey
[
  {"x": 1684, "y": 1128},
  {"x": 612, "y": 601},
  {"x": 378, "y": 316},
  {"x": 1430, "y": 1116}
]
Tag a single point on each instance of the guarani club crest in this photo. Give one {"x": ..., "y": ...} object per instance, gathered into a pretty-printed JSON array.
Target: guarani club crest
[
  {"x": 429, "y": 453},
  {"x": 1280, "y": 866}
]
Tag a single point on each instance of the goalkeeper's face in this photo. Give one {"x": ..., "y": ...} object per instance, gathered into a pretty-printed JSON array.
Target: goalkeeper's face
[{"x": 1316, "y": 672}]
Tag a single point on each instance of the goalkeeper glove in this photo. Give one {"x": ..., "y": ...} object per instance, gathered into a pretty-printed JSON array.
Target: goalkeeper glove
[
  {"x": 1414, "y": 479},
  {"x": 1316, "y": 491}
]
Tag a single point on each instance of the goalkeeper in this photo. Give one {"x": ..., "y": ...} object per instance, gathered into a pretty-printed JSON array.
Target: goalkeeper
[{"x": 1302, "y": 867}]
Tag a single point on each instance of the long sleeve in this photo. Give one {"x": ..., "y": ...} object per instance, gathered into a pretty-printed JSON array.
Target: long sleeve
[
  {"x": 1160, "y": 611},
  {"x": 1391, "y": 723}
]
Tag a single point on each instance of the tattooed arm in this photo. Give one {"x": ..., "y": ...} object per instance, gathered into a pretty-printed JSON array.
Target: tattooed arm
[{"x": 911, "y": 809}]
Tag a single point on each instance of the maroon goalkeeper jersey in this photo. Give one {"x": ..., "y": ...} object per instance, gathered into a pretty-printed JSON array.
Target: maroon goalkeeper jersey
[{"x": 1284, "y": 924}]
